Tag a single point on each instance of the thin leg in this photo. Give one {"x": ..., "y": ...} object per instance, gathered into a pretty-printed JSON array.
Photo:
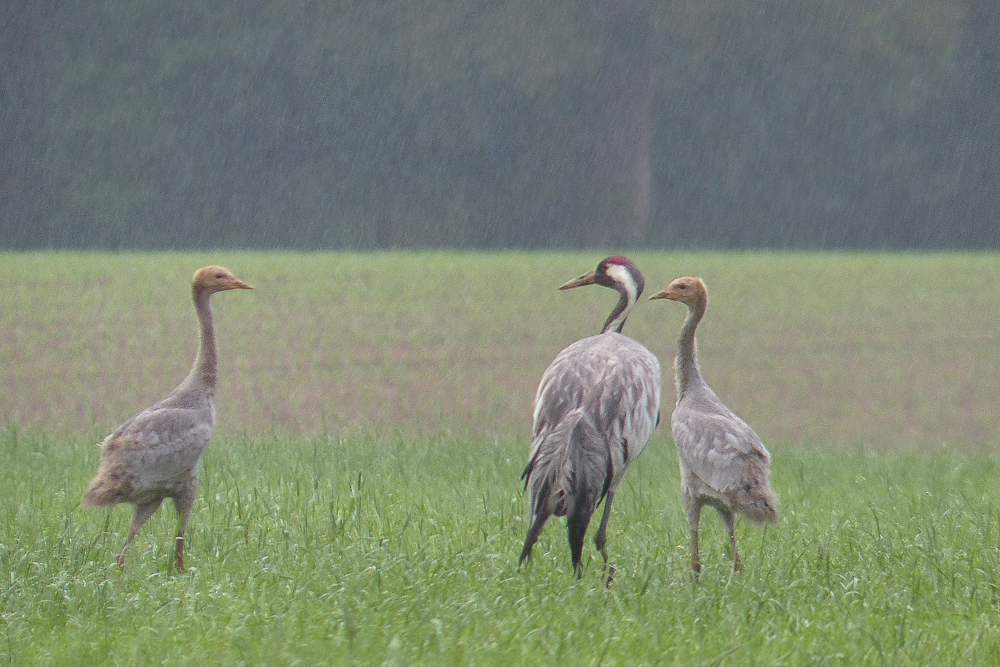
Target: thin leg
[
  {"x": 601, "y": 538},
  {"x": 730, "y": 520},
  {"x": 142, "y": 513},
  {"x": 183, "y": 503},
  {"x": 693, "y": 509}
]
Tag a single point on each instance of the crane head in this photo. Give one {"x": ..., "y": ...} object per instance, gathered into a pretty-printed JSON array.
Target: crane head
[
  {"x": 685, "y": 290},
  {"x": 215, "y": 278},
  {"x": 617, "y": 272}
]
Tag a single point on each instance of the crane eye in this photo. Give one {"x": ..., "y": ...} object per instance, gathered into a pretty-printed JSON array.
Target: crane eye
[
  {"x": 682, "y": 287},
  {"x": 219, "y": 276}
]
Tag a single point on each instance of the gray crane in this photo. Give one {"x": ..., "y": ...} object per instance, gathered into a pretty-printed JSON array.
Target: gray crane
[
  {"x": 723, "y": 462},
  {"x": 595, "y": 408},
  {"x": 155, "y": 454}
]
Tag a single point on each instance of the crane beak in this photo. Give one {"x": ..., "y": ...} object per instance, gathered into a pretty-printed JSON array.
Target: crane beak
[
  {"x": 662, "y": 294},
  {"x": 586, "y": 279},
  {"x": 238, "y": 284}
]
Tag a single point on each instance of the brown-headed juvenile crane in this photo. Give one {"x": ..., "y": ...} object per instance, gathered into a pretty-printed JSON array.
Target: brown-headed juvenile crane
[
  {"x": 154, "y": 455},
  {"x": 595, "y": 408},
  {"x": 723, "y": 462}
]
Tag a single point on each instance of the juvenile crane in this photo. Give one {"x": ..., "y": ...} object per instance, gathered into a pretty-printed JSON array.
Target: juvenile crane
[
  {"x": 154, "y": 455},
  {"x": 595, "y": 408},
  {"x": 723, "y": 462}
]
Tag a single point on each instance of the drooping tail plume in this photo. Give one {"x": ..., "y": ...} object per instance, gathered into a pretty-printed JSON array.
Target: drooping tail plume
[
  {"x": 99, "y": 494},
  {"x": 756, "y": 501},
  {"x": 567, "y": 476}
]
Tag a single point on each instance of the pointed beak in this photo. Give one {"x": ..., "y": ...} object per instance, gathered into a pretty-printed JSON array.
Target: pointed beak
[
  {"x": 662, "y": 294},
  {"x": 585, "y": 279},
  {"x": 239, "y": 284}
]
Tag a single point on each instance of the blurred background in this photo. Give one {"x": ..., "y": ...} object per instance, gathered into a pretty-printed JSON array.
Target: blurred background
[{"x": 517, "y": 124}]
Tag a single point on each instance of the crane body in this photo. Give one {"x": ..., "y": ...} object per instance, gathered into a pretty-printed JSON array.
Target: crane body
[{"x": 595, "y": 409}]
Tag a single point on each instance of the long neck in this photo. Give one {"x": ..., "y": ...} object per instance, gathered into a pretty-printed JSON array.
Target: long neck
[
  {"x": 686, "y": 363},
  {"x": 204, "y": 368},
  {"x": 616, "y": 320}
]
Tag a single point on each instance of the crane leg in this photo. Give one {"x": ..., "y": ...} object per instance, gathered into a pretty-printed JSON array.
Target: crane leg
[
  {"x": 183, "y": 502},
  {"x": 730, "y": 520},
  {"x": 142, "y": 513},
  {"x": 601, "y": 538},
  {"x": 693, "y": 510}
]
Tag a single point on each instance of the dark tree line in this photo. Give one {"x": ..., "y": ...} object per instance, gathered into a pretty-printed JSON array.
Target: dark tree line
[{"x": 383, "y": 123}]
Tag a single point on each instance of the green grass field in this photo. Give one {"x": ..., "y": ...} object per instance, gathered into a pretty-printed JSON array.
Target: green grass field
[
  {"x": 359, "y": 550},
  {"x": 361, "y": 504}
]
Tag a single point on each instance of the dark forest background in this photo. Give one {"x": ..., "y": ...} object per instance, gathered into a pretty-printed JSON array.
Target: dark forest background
[{"x": 491, "y": 124}]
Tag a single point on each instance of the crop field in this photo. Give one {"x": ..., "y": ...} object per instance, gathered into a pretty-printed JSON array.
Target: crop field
[
  {"x": 860, "y": 349},
  {"x": 360, "y": 503}
]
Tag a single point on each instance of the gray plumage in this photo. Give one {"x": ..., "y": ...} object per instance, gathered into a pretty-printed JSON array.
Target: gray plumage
[
  {"x": 723, "y": 462},
  {"x": 155, "y": 454},
  {"x": 595, "y": 408}
]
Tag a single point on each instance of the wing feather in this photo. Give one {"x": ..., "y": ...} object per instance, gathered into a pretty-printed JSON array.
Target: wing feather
[
  {"x": 155, "y": 450},
  {"x": 615, "y": 382},
  {"x": 716, "y": 445}
]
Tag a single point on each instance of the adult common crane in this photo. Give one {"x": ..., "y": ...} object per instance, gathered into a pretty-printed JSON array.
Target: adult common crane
[{"x": 595, "y": 408}]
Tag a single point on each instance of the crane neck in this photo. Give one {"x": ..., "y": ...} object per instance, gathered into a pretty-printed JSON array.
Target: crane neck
[
  {"x": 629, "y": 296},
  {"x": 204, "y": 370},
  {"x": 686, "y": 362}
]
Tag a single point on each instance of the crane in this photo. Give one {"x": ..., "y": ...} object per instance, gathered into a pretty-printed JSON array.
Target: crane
[
  {"x": 595, "y": 408},
  {"x": 723, "y": 462},
  {"x": 155, "y": 454}
]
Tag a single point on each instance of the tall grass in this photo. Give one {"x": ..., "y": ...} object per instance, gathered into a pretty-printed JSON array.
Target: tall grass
[{"x": 388, "y": 548}]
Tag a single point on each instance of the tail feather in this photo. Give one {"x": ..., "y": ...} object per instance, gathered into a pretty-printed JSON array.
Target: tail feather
[
  {"x": 112, "y": 484},
  {"x": 592, "y": 473},
  {"x": 540, "y": 513},
  {"x": 567, "y": 476},
  {"x": 100, "y": 494},
  {"x": 758, "y": 503},
  {"x": 576, "y": 527}
]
